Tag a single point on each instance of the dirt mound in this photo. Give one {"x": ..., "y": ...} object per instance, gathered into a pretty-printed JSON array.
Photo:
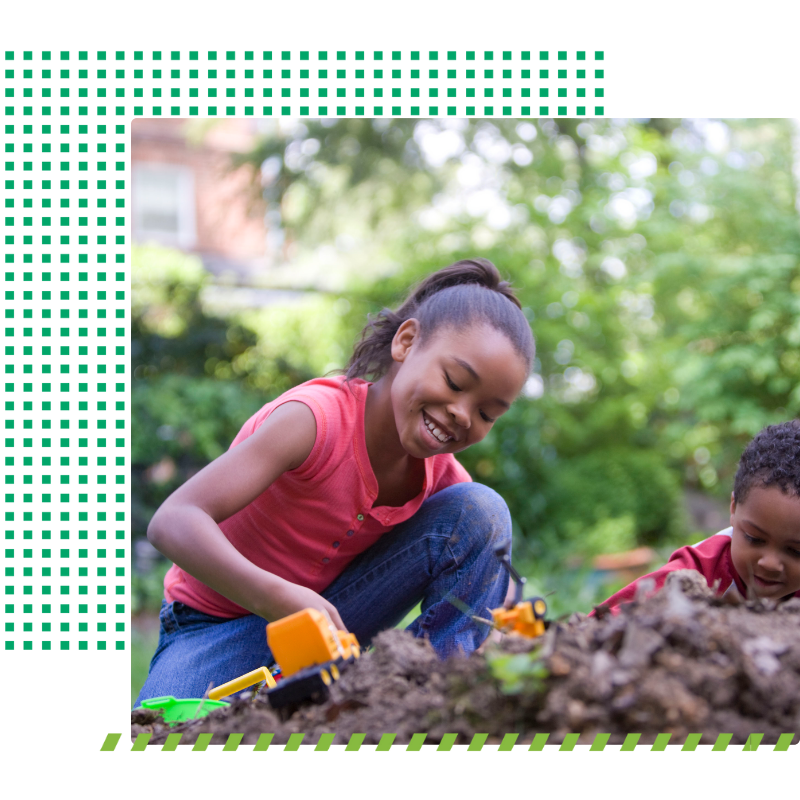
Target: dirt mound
[{"x": 680, "y": 662}]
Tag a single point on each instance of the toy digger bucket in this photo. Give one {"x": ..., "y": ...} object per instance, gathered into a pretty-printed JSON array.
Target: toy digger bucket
[
  {"x": 242, "y": 682},
  {"x": 175, "y": 711}
]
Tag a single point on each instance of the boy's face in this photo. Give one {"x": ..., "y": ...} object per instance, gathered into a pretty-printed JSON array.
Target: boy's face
[{"x": 765, "y": 548}]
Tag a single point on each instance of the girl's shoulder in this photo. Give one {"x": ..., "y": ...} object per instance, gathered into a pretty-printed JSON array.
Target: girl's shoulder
[
  {"x": 330, "y": 393},
  {"x": 332, "y": 400}
]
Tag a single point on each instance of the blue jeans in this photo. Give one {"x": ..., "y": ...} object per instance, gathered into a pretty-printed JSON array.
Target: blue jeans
[{"x": 445, "y": 551}]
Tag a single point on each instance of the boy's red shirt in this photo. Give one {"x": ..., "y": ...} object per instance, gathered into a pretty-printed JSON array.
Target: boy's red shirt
[
  {"x": 711, "y": 558},
  {"x": 312, "y": 521}
]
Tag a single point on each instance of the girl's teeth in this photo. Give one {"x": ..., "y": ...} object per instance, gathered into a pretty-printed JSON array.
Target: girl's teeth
[{"x": 435, "y": 431}]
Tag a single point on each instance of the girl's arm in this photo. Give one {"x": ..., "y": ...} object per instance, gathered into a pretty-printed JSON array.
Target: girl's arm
[{"x": 185, "y": 527}]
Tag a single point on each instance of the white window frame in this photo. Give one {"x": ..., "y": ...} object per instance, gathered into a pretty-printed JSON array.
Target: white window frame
[{"x": 186, "y": 235}]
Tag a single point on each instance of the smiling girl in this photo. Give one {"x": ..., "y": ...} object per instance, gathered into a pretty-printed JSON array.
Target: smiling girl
[{"x": 344, "y": 494}]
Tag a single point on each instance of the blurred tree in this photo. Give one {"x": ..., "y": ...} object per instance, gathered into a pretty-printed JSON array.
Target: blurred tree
[
  {"x": 170, "y": 331},
  {"x": 186, "y": 405}
]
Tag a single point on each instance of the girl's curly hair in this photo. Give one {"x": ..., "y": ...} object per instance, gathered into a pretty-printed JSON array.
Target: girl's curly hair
[
  {"x": 462, "y": 294},
  {"x": 771, "y": 459}
]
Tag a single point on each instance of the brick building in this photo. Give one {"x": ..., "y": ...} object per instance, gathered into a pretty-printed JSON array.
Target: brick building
[{"x": 186, "y": 195}]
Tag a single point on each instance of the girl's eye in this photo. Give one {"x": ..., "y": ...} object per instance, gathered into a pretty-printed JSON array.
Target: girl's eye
[
  {"x": 455, "y": 388},
  {"x": 794, "y": 553},
  {"x": 751, "y": 539}
]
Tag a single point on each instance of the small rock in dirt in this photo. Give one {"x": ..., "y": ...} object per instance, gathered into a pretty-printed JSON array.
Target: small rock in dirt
[
  {"x": 679, "y": 607},
  {"x": 638, "y": 644},
  {"x": 763, "y": 651},
  {"x": 602, "y": 663},
  {"x": 558, "y": 665}
]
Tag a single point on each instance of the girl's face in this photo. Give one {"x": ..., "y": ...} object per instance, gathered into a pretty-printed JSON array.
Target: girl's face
[{"x": 448, "y": 392}]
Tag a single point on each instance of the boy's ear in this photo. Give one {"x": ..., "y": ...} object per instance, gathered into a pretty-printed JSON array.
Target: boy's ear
[{"x": 733, "y": 506}]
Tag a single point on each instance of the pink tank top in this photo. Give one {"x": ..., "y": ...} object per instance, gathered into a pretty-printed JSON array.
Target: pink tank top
[{"x": 312, "y": 521}]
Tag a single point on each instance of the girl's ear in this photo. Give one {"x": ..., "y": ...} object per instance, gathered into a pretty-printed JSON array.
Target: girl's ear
[
  {"x": 733, "y": 505},
  {"x": 405, "y": 337}
]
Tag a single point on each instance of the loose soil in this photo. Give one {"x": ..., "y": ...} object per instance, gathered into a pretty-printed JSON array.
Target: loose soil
[{"x": 682, "y": 661}]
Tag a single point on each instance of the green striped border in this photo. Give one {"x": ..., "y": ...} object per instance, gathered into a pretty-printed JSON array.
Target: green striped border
[{"x": 508, "y": 743}]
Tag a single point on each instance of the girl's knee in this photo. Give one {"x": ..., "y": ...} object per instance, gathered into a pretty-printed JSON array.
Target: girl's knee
[
  {"x": 482, "y": 499},
  {"x": 485, "y": 509}
]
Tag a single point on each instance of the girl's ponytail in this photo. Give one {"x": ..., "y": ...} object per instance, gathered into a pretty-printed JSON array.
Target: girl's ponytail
[
  {"x": 456, "y": 295},
  {"x": 479, "y": 271}
]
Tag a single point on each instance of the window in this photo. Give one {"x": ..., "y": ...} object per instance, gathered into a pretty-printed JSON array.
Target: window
[{"x": 163, "y": 206}]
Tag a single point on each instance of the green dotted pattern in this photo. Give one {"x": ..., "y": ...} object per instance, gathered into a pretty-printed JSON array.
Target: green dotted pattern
[
  {"x": 507, "y": 744},
  {"x": 320, "y": 83},
  {"x": 395, "y": 83},
  {"x": 66, "y": 360}
]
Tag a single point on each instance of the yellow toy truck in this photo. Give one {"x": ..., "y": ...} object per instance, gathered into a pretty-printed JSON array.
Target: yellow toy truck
[
  {"x": 311, "y": 654},
  {"x": 525, "y": 617}
]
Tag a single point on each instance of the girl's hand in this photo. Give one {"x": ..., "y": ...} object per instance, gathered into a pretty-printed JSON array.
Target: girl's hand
[{"x": 292, "y": 598}]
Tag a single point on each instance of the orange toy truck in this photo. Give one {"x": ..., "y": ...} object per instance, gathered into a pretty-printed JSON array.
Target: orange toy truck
[{"x": 311, "y": 654}]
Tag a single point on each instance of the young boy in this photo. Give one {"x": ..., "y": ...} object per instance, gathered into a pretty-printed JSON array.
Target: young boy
[{"x": 760, "y": 553}]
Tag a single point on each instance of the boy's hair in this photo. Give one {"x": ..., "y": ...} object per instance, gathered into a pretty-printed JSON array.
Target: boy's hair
[
  {"x": 771, "y": 459},
  {"x": 466, "y": 292}
]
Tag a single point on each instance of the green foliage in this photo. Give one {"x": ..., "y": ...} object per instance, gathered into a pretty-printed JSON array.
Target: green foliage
[
  {"x": 739, "y": 369},
  {"x": 182, "y": 423},
  {"x": 188, "y": 416},
  {"x": 517, "y": 673},
  {"x": 567, "y": 503},
  {"x": 566, "y": 587},
  {"x": 165, "y": 285},
  {"x": 633, "y": 488},
  {"x": 356, "y": 164},
  {"x": 607, "y": 535},
  {"x": 185, "y": 402},
  {"x": 296, "y": 342},
  {"x": 171, "y": 332}
]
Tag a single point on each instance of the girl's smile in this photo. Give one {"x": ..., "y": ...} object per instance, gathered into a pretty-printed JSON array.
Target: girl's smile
[
  {"x": 447, "y": 391},
  {"x": 439, "y": 432}
]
